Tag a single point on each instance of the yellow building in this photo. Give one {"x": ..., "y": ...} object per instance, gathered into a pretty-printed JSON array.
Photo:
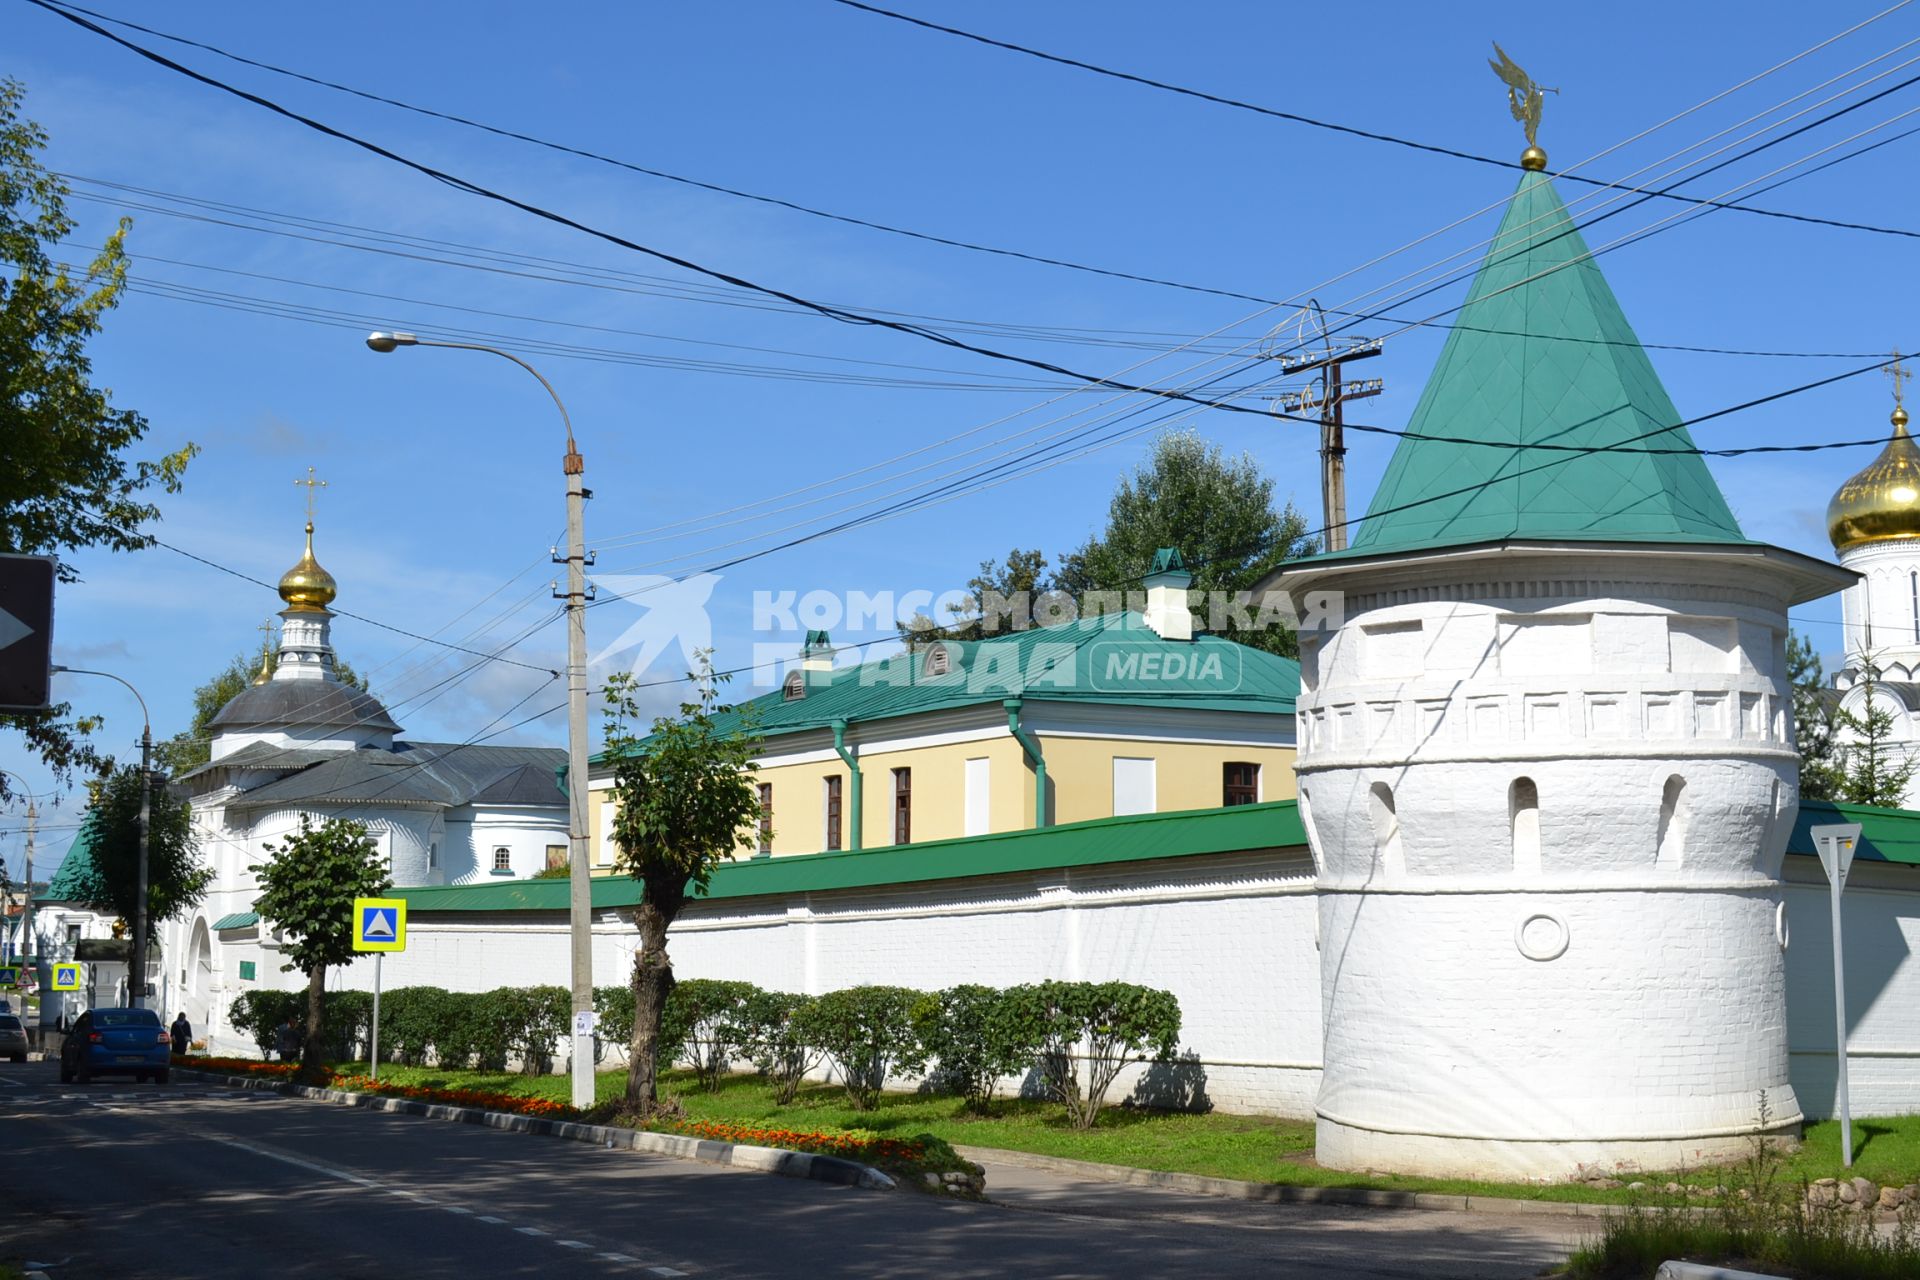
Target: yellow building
[{"x": 1117, "y": 714}]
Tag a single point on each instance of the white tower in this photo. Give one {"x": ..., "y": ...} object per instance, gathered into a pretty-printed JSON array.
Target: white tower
[{"x": 1546, "y": 765}]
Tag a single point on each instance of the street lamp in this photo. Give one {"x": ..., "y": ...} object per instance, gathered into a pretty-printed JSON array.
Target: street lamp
[
  {"x": 580, "y": 899},
  {"x": 26, "y": 906},
  {"x": 137, "y": 964}
]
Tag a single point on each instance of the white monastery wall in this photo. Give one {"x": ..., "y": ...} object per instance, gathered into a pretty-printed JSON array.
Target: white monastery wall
[
  {"x": 473, "y": 834},
  {"x": 1231, "y": 936}
]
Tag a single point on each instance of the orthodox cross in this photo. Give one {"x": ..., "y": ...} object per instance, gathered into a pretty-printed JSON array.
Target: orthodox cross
[
  {"x": 312, "y": 484},
  {"x": 266, "y": 628},
  {"x": 1899, "y": 372}
]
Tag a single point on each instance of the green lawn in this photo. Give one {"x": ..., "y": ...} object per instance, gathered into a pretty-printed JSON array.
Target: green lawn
[{"x": 1250, "y": 1148}]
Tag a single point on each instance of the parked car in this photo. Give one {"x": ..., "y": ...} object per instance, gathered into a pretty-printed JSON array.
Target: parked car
[
  {"x": 116, "y": 1042},
  {"x": 13, "y": 1038}
]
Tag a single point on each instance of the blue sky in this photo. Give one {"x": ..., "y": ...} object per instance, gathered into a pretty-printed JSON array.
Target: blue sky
[{"x": 443, "y": 467}]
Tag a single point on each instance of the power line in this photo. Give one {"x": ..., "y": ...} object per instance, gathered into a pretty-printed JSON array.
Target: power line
[{"x": 1350, "y": 130}]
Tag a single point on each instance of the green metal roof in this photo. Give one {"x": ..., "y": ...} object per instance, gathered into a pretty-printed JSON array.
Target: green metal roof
[
  {"x": 1274, "y": 825},
  {"x": 1112, "y": 658},
  {"x": 1542, "y": 354},
  {"x": 1886, "y": 835},
  {"x": 65, "y": 885},
  {"x": 237, "y": 920}
]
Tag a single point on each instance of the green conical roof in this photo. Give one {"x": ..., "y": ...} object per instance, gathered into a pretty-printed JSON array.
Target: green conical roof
[{"x": 1541, "y": 354}]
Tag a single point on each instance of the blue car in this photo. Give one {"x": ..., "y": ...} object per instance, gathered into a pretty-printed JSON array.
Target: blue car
[{"x": 128, "y": 1042}]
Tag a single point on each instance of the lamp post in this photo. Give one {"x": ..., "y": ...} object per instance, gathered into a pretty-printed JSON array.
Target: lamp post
[
  {"x": 25, "y": 934},
  {"x": 580, "y": 901},
  {"x": 137, "y": 964}
]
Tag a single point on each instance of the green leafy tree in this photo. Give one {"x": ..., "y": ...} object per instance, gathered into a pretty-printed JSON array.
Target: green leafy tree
[
  {"x": 1104, "y": 1024},
  {"x": 307, "y": 888},
  {"x": 1219, "y": 512},
  {"x": 109, "y": 878},
  {"x": 1006, "y": 596},
  {"x": 1876, "y": 765},
  {"x": 66, "y": 481},
  {"x": 684, "y": 799},
  {"x": 189, "y": 749},
  {"x": 1816, "y": 722},
  {"x": 868, "y": 1033}
]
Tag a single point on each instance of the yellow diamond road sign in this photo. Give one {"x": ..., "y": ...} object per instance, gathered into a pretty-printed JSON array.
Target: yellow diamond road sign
[
  {"x": 379, "y": 924},
  {"x": 67, "y": 976}
]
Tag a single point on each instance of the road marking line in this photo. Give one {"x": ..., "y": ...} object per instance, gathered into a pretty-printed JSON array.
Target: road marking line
[
  {"x": 617, "y": 1257},
  {"x": 530, "y": 1231},
  {"x": 573, "y": 1244},
  {"x": 665, "y": 1271},
  {"x": 487, "y": 1217},
  {"x": 454, "y": 1208},
  {"x": 309, "y": 1165}
]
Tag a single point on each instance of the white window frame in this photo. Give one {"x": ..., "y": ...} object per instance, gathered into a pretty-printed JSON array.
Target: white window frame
[
  {"x": 978, "y": 817},
  {"x": 1134, "y": 776}
]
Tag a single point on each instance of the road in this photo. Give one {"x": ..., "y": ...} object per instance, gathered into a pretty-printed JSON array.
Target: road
[{"x": 189, "y": 1180}]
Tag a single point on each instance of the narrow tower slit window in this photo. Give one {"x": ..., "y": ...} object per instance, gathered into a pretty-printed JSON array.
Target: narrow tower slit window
[
  {"x": 1913, "y": 586},
  {"x": 1386, "y": 828},
  {"x": 766, "y": 817},
  {"x": 832, "y": 822},
  {"x": 1523, "y": 817},
  {"x": 1673, "y": 822}
]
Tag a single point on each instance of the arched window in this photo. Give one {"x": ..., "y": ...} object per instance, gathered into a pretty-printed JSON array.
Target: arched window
[
  {"x": 1523, "y": 820},
  {"x": 1673, "y": 822},
  {"x": 1386, "y": 829}
]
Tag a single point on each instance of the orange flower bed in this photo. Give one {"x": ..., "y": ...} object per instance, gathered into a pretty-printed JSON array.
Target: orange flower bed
[
  {"x": 851, "y": 1146},
  {"x": 518, "y": 1104}
]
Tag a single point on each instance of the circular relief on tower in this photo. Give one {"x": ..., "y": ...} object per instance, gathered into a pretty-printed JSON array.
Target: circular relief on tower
[
  {"x": 1780, "y": 924},
  {"x": 1541, "y": 937}
]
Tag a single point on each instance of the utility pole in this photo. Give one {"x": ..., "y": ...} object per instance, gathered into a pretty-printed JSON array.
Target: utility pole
[{"x": 1329, "y": 396}]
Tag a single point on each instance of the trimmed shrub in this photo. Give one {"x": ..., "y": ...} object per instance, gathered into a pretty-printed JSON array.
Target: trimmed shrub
[
  {"x": 703, "y": 1020},
  {"x": 259, "y": 1013},
  {"x": 772, "y": 1036},
  {"x": 867, "y": 1032},
  {"x": 413, "y": 1023},
  {"x": 349, "y": 1015},
  {"x": 977, "y": 1037},
  {"x": 1112, "y": 1022},
  {"x": 615, "y": 1007},
  {"x": 536, "y": 1019}
]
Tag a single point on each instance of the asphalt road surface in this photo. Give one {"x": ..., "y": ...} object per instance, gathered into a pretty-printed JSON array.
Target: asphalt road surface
[{"x": 186, "y": 1180}]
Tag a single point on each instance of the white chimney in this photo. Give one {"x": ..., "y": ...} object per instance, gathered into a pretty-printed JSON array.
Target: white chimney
[
  {"x": 1167, "y": 582},
  {"x": 818, "y": 653}
]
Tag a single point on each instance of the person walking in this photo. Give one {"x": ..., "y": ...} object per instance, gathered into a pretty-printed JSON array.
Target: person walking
[
  {"x": 286, "y": 1041},
  {"x": 182, "y": 1035}
]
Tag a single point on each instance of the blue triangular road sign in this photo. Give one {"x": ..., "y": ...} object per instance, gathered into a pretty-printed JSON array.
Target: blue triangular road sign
[{"x": 379, "y": 924}]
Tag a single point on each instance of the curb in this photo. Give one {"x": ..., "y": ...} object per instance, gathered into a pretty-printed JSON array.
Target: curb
[
  {"x": 1279, "y": 1193},
  {"x": 787, "y": 1164}
]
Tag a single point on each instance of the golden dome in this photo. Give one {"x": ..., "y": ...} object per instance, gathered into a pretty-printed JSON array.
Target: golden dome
[
  {"x": 307, "y": 588},
  {"x": 1882, "y": 502},
  {"x": 1533, "y": 159}
]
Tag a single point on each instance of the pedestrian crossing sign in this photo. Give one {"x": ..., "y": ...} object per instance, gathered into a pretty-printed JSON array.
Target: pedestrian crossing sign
[
  {"x": 67, "y": 975},
  {"x": 379, "y": 924},
  {"x": 9, "y": 976}
]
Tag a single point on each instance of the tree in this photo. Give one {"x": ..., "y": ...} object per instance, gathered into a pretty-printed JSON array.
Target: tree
[
  {"x": 1816, "y": 722},
  {"x": 684, "y": 799},
  {"x": 65, "y": 479},
  {"x": 190, "y": 748},
  {"x": 1217, "y": 511},
  {"x": 1004, "y": 597},
  {"x": 307, "y": 888},
  {"x": 108, "y": 879},
  {"x": 1104, "y": 1024},
  {"x": 1876, "y": 766}
]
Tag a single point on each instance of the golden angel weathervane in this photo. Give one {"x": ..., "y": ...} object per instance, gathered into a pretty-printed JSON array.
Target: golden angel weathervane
[{"x": 1525, "y": 99}]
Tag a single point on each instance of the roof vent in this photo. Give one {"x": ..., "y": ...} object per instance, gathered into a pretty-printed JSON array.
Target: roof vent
[
  {"x": 795, "y": 687},
  {"x": 817, "y": 654},
  {"x": 939, "y": 660},
  {"x": 1167, "y": 613}
]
